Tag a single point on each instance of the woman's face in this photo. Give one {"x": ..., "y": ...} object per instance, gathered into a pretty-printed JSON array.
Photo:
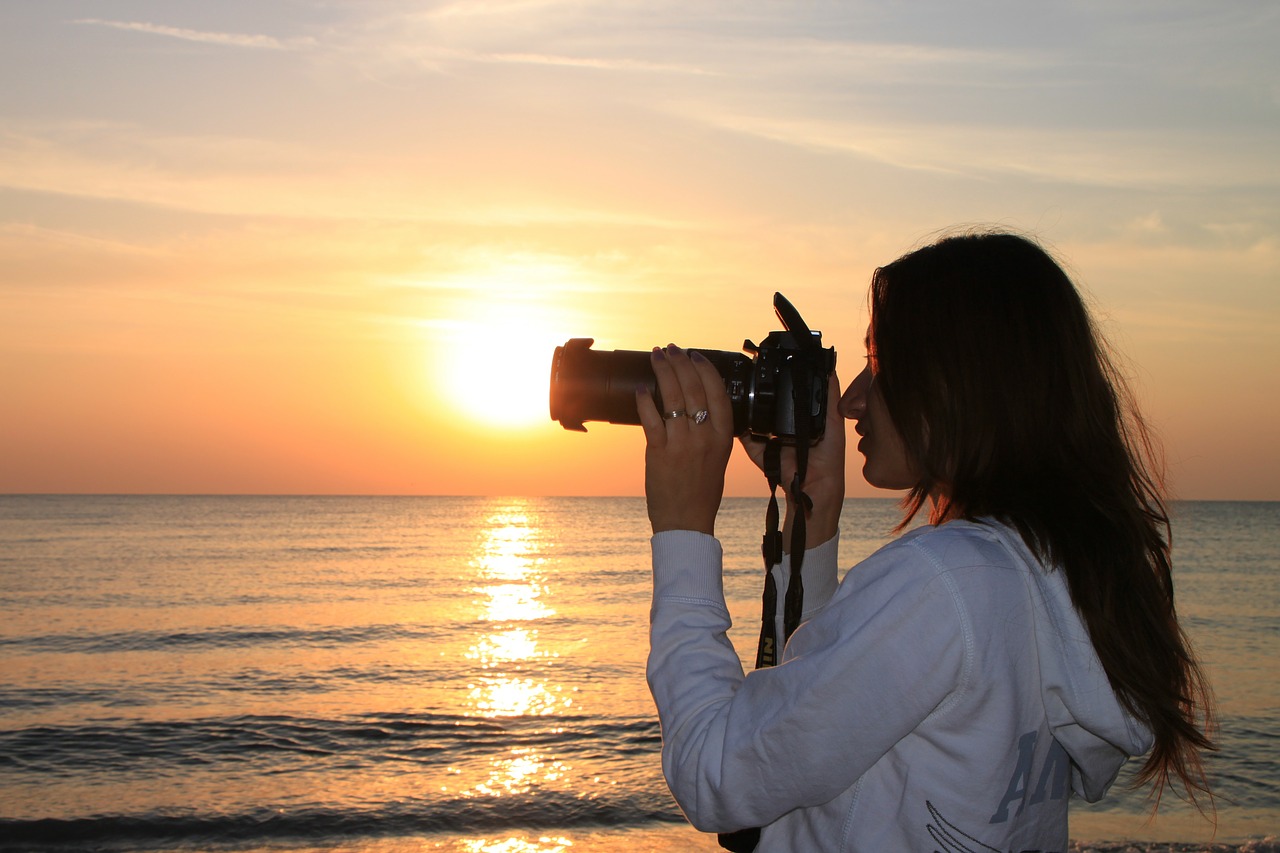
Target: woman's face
[{"x": 887, "y": 464}]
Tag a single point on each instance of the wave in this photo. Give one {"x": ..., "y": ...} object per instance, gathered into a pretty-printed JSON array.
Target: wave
[
  {"x": 370, "y": 740},
  {"x": 543, "y": 810},
  {"x": 114, "y": 642},
  {"x": 1260, "y": 845},
  {"x": 251, "y": 681},
  {"x": 275, "y": 829},
  {"x": 135, "y": 641}
]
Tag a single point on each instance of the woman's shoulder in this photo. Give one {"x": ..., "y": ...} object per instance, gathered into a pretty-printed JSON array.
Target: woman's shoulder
[
  {"x": 957, "y": 542},
  {"x": 960, "y": 570},
  {"x": 933, "y": 577},
  {"x": 928, "y": 552}
]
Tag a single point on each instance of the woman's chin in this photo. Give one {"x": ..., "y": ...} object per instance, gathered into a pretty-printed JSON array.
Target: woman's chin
[{"x": 884, "y": 480}]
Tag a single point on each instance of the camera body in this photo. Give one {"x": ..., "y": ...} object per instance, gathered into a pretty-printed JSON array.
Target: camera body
[{"x": 777, "y": 389}]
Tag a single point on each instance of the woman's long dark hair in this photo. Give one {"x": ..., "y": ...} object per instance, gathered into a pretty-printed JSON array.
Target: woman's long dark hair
[{"x": 1006, "y": 397}]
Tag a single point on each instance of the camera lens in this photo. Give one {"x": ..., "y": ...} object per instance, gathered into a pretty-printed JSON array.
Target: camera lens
[{"x": 590, "y": 385}]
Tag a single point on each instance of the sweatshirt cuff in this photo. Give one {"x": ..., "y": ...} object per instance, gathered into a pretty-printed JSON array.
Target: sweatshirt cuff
[
  {"x": 687, "y": 564},
  {"x": 819, "y": 572}
]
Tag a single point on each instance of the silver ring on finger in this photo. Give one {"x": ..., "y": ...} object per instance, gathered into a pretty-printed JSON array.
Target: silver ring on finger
[
  {"x": 699, "y": 416},
  {"x": 673, "y": 414}
]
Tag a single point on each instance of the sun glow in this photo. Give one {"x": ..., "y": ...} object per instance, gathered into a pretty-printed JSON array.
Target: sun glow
[{"x": 497, "y": 366}]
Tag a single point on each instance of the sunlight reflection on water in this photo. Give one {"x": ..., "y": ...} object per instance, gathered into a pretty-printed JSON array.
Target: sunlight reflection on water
[
  {"x": 516, "y": 644},
  {"x": 510, "y": 583},
  {"x": 510, "y": 586},
  {"x": 546, "y": 844}
]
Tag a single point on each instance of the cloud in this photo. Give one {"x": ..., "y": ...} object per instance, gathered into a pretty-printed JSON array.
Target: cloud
[
  {"x": 247, "y": 40},
  {"x": 1136, "y": 158},
  {"x": 230, "y": 175},
  {"x": 594, "y": 63}
]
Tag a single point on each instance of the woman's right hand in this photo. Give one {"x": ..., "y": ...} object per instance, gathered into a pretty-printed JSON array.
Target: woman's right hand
[{"x": 824, "y": 472}]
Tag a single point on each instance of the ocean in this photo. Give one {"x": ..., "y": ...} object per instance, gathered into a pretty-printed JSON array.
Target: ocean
[{"x": 456, "y": 674}]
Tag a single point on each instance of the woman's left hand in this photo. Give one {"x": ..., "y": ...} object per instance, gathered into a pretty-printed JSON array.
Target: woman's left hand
[{"x": 688, "y": 444}]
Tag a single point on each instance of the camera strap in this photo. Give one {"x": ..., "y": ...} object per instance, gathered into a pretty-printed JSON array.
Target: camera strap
[
  {"x": 769, "y": 649},
  {"x": 771, "y": 549}
]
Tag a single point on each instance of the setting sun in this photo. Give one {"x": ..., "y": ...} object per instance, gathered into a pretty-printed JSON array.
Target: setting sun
[
  {"x": 500, "y": 377},
  {"x": 496, "y": 366}
]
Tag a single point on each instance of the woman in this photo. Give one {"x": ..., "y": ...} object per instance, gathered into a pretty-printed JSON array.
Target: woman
[{"x": 963, "y": 681}]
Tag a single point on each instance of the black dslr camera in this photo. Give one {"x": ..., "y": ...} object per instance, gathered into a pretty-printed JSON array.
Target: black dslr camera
[{"x": 779, "y": 391}]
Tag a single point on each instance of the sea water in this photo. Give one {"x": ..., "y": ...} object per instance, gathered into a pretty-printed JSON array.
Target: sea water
[{"x": 459, "y": 674}]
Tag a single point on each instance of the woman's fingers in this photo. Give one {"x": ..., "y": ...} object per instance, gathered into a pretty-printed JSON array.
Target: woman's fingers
[
  {"x": 689, "y": 439},
  {"x": 716, "y": 406},
  {"x": 669, "y": 384},
  {"x": 692, "y": 390},
  {"x": 693, "y": 395},
  {"x": 650, "y": 419},
  {"x": 670, "y": 391}
]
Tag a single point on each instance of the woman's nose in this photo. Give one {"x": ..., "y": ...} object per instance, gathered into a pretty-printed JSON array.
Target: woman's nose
[{"x": 853, "y": 402}]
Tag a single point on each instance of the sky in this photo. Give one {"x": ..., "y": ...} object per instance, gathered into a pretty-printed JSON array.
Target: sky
[{"x": 328, "y": 246}]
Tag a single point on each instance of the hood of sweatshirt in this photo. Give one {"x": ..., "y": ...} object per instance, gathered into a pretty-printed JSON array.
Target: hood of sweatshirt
[{"x": 1084, "y": 714}]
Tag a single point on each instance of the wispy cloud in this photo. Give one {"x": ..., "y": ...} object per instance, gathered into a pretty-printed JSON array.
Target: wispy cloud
[
  {"x": 247, "y": 40},
  {"x": 1135, "y": 158},
  {"x": 595, "y": 63}
]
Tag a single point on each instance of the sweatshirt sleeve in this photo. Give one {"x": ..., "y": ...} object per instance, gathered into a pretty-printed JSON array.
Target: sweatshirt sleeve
[
  {"x": 856, "y": 677},
  {"x": 687, "y": 572}
]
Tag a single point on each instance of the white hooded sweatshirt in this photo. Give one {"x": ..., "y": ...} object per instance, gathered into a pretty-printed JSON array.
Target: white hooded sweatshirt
[{"x": 944, "y": 697}]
